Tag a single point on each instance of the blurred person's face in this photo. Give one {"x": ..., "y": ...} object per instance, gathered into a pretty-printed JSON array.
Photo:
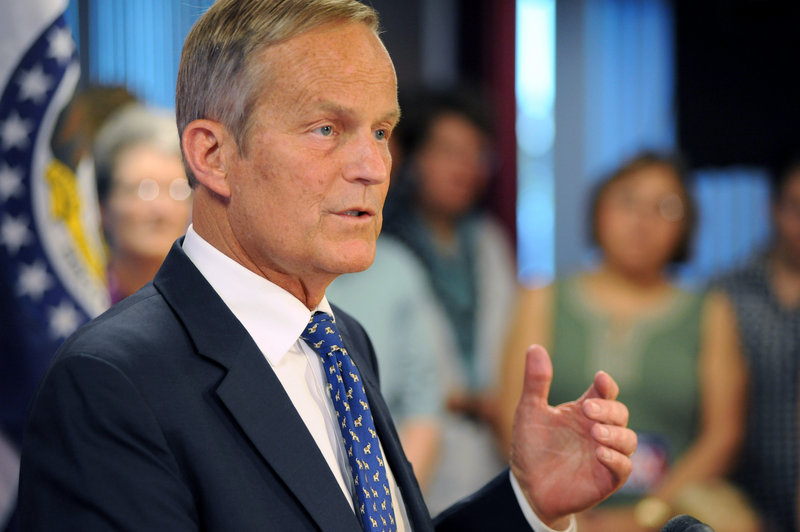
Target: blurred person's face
[
  {"x": 641, "y": 220},
  {"x": 453, "y": 166},
  {"x": 149, "y": 205},
  {"x": 786, "y": 214}
]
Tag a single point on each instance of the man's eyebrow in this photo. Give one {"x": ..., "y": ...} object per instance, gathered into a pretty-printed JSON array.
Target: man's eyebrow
[
  {"x": 393, "y": 116},
  {"x": 335, "y": 108}
]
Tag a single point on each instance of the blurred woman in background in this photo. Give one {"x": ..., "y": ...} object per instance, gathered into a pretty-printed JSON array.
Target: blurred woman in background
[
  {"x": 144, "y": 196},
  {"x": 675, "y": 354},
  {"x": 435, "y": 208}
]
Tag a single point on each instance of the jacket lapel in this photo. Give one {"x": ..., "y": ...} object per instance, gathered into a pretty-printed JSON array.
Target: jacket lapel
[
  {"x": 253, "y": 394},
  {"x": 256, "y": 399}
]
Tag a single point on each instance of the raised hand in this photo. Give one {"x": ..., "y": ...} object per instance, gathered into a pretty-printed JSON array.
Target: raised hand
[{"x": 569, "y": 457}]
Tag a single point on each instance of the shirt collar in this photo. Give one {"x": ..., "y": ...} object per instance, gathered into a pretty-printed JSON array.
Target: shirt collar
[{"x": 273, "y": 317}]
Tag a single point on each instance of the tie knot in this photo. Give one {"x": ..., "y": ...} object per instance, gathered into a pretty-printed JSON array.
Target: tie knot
[
  {"x": 321, "y": 333},
  {"x": 320, "y": 317},
  {"x": 319, "y": 323}
]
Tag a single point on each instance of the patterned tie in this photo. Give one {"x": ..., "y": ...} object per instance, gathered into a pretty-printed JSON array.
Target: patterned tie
[{"x": 355, "y": 422}]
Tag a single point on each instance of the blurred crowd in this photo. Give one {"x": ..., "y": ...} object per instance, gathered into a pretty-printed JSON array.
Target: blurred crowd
[{"x": 710, "y": 376}]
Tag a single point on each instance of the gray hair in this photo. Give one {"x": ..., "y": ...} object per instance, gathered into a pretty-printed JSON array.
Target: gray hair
[
  {"x": 219, "y": 77},
  {"x": 131, "y": 125}
]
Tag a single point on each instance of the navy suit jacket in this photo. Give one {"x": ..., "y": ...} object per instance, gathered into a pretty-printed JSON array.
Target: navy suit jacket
[{"x": 162, "y": 414}]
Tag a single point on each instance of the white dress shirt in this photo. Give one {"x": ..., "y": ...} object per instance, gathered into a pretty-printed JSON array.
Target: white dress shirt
[{"x": 275, "y": 319}]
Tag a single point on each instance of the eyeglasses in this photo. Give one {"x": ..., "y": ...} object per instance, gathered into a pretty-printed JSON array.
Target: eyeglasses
[
  {"x": 150, "y": 190},
  {"x": 669, "y": 208}
]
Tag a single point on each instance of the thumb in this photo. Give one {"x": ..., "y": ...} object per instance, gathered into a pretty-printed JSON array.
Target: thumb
[{"x": 538, "y": 376}]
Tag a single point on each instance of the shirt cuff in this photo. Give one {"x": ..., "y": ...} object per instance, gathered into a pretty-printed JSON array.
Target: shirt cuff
[{"x": 530, "y": 515}]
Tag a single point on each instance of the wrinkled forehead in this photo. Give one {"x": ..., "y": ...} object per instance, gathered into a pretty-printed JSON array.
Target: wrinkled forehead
[
  {"x": 338, "y": 48},
  {"x": 345, "y": 60}
]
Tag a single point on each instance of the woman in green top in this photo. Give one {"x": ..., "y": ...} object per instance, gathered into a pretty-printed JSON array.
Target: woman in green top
[{"x": 674, "y": 354}]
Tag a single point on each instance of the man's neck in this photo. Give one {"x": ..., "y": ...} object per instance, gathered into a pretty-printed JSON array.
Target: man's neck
[
  {"x": 310, "y": 294},
  {"x": 308, "y": 289}
]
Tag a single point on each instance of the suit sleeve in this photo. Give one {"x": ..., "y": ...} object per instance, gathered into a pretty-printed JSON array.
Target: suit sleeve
[
  {"x": 95, "y": 458},
  {"x": 494, "y": 507}
]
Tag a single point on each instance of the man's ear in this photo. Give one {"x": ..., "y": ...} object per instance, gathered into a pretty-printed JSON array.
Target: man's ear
[{"x": 206, "y": 145}]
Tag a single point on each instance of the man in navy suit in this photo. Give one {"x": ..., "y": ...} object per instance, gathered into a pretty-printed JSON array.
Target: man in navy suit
[{"x": 195, "y": 404}]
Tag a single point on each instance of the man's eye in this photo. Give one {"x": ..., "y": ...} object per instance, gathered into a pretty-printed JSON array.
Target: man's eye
[
  {"x": 381, "y": 134},
  {"x": 325, "y": 131}
]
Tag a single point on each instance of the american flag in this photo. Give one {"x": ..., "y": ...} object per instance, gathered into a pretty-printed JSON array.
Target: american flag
[{"x": 51, "y": 262}]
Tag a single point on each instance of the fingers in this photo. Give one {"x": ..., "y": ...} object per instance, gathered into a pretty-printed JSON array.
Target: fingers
[
  {"x": 618, "y": 439},
  {"x": 606, "y": 411},
  {"x": 538, "y": 375},
  {"x": 603, "y": 387},
  {"x": 616, "y": 442},
  {"x": 616, "y": 445},
  {"x": 618, "y": 463},
  {"x": 611, "y": 433}
]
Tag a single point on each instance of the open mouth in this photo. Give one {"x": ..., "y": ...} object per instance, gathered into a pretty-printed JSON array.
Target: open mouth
[{"x": 356, "y": 213}]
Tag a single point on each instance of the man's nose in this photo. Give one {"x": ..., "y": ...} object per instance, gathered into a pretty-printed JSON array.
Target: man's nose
[{"x": 368, "y": 160}]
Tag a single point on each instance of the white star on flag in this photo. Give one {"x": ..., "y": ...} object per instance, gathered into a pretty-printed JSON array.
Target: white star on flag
[
  {"x": 61, "y": 44},
  {"x": 33, "y": 85},
  {"x": 64, "y": 319},
  {"x": 14, "y": 131},
  {"x": 10, "y": 183},
  {"x": 14, "y": 233},
  {"x": 33, "y": 280}
]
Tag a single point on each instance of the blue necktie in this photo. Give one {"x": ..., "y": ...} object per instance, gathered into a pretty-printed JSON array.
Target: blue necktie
[{"x": 374, "y": 503}]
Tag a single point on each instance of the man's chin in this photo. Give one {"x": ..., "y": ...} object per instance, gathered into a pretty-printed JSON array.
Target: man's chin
[
  {"x": 357, "y": 260},
  {"x": 357, "y": 266}
]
